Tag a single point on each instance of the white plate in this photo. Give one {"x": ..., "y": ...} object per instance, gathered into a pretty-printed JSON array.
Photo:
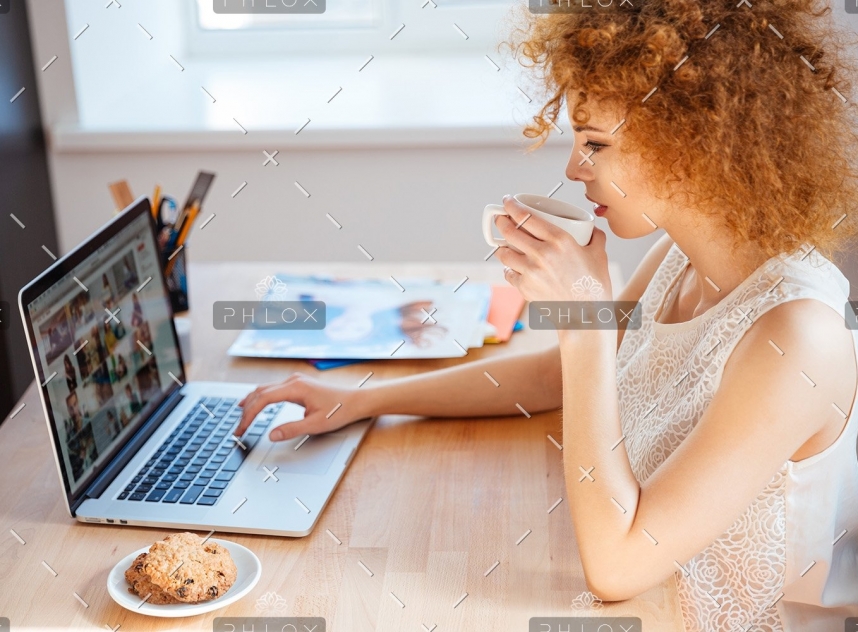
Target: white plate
[{"x": 247, "y": 565}]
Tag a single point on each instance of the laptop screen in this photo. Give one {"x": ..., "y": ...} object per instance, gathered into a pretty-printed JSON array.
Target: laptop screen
[{"x": 105, "y": 344}]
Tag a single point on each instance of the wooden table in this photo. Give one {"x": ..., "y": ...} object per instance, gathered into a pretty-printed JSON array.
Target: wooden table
[{"x": 428, "y": 505}]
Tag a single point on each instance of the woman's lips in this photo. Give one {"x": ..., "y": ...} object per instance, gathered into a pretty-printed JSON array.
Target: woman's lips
[{"x": 599, "y": 209}]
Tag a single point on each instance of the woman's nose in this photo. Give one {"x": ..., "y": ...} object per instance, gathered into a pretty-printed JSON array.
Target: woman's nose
[{"x": 579, "y": 167}]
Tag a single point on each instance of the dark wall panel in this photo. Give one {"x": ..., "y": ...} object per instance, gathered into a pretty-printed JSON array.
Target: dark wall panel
[{"x": 24, "y": 193}]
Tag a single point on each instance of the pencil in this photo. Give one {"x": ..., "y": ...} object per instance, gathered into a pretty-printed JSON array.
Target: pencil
[
  {"x": 183, "y": 234},
  {"x": 186, "y": 225},
  {"x": 156, "y": 201}
]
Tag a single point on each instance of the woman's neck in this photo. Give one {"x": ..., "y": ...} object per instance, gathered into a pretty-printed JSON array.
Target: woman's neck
[{"x": 714, "y": 269}]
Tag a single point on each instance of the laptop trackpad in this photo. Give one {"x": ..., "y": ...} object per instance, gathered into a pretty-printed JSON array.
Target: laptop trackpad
[{"x": 313, "y": 457}]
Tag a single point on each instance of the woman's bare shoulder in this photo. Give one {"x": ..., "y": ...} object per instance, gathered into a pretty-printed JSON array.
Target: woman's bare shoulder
[{"x": 810, "y": 337}]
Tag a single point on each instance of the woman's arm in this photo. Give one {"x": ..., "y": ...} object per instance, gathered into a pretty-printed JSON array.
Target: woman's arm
[
  {"x": 531, "y": 380},
  {"x": 785, "y": 382}
]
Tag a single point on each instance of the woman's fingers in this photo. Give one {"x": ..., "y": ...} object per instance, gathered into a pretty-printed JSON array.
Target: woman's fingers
[
  {"x": 516, "y": 237},
  {"x": 536, "y": 226},
  {"x": 265, "y": 387},
  {"x": 292, "y": 429},
  {"x": 262, "y": 397},
  {"x": 511, "y": 259}
]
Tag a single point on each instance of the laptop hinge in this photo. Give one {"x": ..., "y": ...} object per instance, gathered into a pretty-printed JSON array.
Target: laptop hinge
[{"x": 130, "y": 449}]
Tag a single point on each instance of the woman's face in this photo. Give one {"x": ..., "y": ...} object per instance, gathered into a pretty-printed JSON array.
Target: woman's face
[{"x": 612, "y": 178}]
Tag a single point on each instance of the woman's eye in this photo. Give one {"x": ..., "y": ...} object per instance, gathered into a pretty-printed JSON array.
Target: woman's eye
[{"x": 594, "y": 146}]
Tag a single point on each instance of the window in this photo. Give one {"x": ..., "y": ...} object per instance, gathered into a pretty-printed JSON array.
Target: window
[
  {"x": 345, "y": 14},
  {"x": 347, "y": 26}
]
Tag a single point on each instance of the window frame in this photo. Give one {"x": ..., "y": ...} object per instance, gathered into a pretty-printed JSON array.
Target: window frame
[{"x": 482, "y": 32}]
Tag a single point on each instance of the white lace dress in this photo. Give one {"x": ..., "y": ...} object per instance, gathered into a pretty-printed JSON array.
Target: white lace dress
[{"x": 790, "y": 562}]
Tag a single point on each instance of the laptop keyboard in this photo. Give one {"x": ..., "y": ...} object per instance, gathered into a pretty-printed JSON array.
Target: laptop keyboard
[{"x": 199, "y": 459}]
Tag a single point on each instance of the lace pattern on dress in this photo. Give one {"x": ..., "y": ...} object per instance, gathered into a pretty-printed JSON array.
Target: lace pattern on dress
[{"x": 666, "y": 381}]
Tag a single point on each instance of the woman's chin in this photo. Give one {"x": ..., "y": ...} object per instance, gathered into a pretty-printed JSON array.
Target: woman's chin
[{"x": 624, "y": 230}]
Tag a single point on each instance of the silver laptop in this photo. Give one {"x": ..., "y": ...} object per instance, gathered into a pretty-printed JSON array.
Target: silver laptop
[{"x": 134, "y": 442}]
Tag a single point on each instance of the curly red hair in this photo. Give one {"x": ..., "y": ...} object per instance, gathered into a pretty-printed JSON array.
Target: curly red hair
[{"x": 753, "y": 107}]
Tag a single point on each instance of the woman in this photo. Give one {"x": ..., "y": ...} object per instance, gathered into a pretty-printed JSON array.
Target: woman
[{"x": 722, "y": 433}]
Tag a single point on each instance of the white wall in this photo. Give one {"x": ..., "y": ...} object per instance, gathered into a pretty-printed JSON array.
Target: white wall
[
  {"x": 402, "y": 193},
  {"x": 400, "y": 204},
  {"x": 412, "y": 191}
]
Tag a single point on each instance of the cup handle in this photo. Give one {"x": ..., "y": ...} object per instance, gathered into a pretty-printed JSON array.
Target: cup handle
[{"x": 488, "y": 219}]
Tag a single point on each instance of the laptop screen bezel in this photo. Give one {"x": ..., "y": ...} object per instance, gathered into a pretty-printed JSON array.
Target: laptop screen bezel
[{"x": 50, "y": 277}]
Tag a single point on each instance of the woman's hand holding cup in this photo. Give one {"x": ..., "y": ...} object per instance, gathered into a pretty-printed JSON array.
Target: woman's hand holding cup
[
  {"x": 575, "y": 221},
  {"x": 548, "y": 246}
]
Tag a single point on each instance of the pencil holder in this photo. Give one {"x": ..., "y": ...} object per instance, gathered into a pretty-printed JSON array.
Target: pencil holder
[{"x": 177, "y": 279}]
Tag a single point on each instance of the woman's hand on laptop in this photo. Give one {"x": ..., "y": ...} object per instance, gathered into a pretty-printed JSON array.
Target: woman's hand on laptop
[{"x": 318, "y": 398}]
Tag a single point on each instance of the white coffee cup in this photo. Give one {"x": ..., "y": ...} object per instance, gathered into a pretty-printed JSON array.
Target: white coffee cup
[{"x": 574, "y": 220}]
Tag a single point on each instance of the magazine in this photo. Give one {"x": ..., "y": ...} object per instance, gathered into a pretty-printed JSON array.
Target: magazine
[{"x": 374, "y": 319}]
